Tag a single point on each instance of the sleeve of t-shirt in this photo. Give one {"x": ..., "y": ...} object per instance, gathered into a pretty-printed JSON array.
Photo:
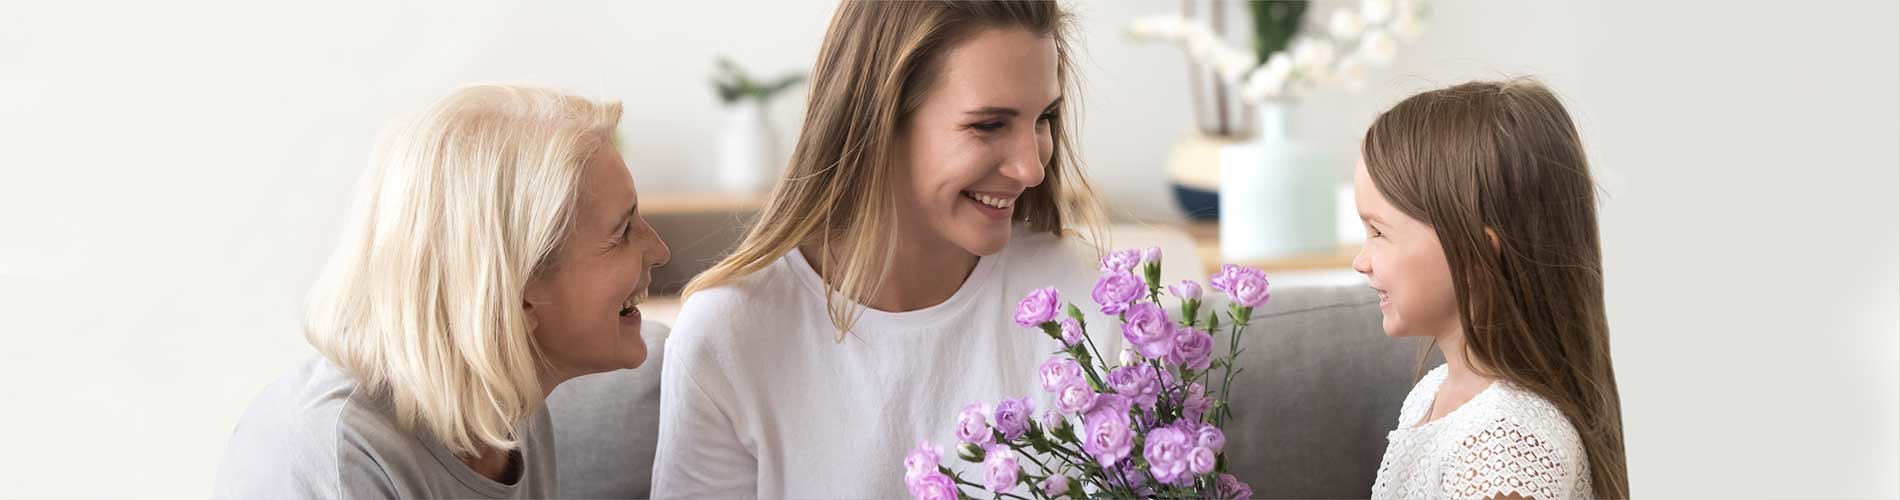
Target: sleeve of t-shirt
[{"x": 699, "y": 453}]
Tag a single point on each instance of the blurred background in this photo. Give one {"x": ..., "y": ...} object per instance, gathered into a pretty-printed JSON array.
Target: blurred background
[{"x": 173, "y": 174}]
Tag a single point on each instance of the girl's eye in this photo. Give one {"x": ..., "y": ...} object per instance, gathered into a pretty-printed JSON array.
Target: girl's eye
[
  {"x": 1046, "y": 118},
  {"x": 989, "y": 126}
]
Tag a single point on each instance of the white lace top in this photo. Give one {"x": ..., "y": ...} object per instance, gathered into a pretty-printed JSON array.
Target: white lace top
[{"x": 1505, "y": 441}]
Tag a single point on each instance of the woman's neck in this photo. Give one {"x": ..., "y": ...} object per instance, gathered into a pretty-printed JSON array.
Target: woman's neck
[
  {"x": 495, "y": 464},
  {"x": 920, "y": 275}
]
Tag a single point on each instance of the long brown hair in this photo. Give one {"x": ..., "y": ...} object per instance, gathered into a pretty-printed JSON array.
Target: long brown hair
[
  {"x": 877, "y": 63},
  {"x": 1504, "y": 157}
]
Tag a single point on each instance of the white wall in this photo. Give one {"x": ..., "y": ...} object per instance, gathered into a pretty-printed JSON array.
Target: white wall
[{"x": 174, "y": 173}]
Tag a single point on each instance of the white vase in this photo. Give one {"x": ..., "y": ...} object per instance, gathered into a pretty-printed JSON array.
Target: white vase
[
  {"x": 1277, "y": 194},
  {"x": 748, "y": 150}
]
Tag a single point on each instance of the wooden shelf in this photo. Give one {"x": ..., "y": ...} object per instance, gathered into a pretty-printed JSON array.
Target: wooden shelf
[
  {"x": 700, "y": 203},
  {"x": 1207, "y": 243}
]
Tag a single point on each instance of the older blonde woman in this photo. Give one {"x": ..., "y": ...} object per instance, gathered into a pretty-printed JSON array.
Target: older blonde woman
[{"x": 496, "y": 251}]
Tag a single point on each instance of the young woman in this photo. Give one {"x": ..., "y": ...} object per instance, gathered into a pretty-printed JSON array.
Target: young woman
[
  {"x": 932, "y": 187},
  {"x": 495, "y": 251},
  {"x": 1480, "y": 213}
]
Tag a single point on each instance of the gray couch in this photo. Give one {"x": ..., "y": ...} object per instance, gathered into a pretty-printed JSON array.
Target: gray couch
[{"x": 1321, "y": 388}]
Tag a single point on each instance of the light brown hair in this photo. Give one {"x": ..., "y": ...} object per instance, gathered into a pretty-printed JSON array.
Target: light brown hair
[
  {"x": 877, "y": 64},
  {"x": 1504, "y": 157}
]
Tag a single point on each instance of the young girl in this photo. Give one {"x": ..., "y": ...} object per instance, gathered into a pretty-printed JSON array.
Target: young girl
[
  {"x": 1481, "y": 221},
  {"x": 931, "y": 188}
]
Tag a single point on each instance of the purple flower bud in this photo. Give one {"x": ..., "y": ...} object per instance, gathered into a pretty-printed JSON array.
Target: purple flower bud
[
  {"x": 1187, "y": 290},
  {"x": 1151, "y": 256},
  {"x": 1071, "y": 332}
]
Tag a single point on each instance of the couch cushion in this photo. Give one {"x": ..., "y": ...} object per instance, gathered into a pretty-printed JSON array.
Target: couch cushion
[{"x": 605, "y": 427}]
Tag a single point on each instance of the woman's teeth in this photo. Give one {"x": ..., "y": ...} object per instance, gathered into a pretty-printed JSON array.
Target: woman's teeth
[
  {"x": 626, "y": 307},
  {"x": 991, "y": 201}
]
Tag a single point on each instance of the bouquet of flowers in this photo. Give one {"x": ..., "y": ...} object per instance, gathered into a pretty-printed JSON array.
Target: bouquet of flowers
[{"x": 1148, "y": 426}]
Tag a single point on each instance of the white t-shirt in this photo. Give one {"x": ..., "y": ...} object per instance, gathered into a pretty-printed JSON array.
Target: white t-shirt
[
  {"x": 1504, "y": 441},
  {"x": 758, "y": 399}
]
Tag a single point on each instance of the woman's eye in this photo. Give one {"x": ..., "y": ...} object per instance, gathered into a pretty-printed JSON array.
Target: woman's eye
[
  {"x": 1046, "y": 118},
  {"x": 988, "y": 126}
]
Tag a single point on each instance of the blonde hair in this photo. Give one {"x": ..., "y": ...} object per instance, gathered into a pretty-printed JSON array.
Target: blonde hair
[
  {"x": 875, "y": 67},
  {"x": 459, "y": 210}
]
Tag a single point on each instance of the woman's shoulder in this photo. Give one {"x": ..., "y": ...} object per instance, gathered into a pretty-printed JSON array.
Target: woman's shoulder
[
  {"x": 300, "y": 428},
  {"x": 774, "y": 298}
]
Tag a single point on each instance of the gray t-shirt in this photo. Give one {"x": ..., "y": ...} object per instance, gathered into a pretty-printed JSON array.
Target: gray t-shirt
[{"x": 316, "y": 434}]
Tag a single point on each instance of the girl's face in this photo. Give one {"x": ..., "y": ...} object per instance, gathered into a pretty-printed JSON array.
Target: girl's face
[
  {"x": 1403, "y": 261},
  {"x": 980, "y": 138}
]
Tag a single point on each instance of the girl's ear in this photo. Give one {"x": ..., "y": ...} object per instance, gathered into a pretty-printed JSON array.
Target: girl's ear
[{"x": 1493, "y": 235}]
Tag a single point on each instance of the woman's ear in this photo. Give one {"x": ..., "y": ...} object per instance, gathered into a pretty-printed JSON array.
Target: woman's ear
[
  {"x": 533, "y": 299},
  {"x": 1493, "y": 235}
]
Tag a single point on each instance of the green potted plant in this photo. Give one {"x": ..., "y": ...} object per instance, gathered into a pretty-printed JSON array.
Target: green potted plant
[{"x": 748, "y": 144}]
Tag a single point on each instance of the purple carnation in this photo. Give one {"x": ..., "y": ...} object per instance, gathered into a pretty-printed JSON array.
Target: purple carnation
[
  {"x": 1115, "y": 290},
  {"x": 1000, "y": 470},
  {"x": 1106, "y": 434},
  {"x": 1012, "y": 417},
  {"x": 1192, "y": 348},
  {"x": 1120, "y": 261},
  {"x": 1076, "y": 397},
  {"x": 1055, "y": 485},
  {"x": 1168, "y": 451},
  {"x": 1039, "y": 307},
  {"x": 1138, "y": 383},
  {"x": 1059, "y": 371},
  {"x": 1230, "y": 487},
  {"x": 921, "y": 462},
  {"x": 1071, "y": 332},
  {"x": 1195, "y": 403},
  {"x": 1201, "y": 460},
  {"x": 1050, "y": 419},
  {"x": 1151, "y": 256},
  {"x": 1210, "y": 437},
  {"x": 973, "y": 426},
  {"x": 934, "y": 486},
  {"x": 1148, "y": 329},
  {"x": 1245, "y": 286}
]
